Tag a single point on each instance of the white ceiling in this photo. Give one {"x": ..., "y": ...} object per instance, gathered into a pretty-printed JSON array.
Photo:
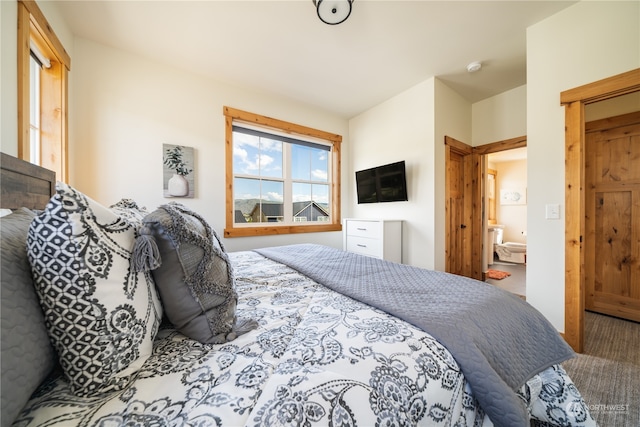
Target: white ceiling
[{"x": 281, "y": 47}]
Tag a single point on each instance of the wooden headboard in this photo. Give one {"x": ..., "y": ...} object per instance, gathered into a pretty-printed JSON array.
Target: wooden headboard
[{"x": 24, "y": 184}]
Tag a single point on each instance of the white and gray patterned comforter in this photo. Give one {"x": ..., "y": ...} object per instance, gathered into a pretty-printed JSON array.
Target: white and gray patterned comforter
[{"x": 317, "y": 358}]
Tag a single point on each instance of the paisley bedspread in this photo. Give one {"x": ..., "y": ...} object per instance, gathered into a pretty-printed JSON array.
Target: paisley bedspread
[{"x": 317, "y": 358}]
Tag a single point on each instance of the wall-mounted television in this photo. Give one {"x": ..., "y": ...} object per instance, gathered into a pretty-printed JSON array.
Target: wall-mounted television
[{"x": 386, "y": 183}]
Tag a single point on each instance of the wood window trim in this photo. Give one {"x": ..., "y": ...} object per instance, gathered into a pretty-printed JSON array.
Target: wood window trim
[
  {"x": 574, "y": 101},
  {"x": 232, "y": 114},
  {"x": 32, "y": 25},
  {"x": 491, "y": 201}
]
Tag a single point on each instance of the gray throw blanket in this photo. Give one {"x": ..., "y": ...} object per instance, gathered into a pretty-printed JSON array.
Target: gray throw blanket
[{"x": 498, "y": 340}]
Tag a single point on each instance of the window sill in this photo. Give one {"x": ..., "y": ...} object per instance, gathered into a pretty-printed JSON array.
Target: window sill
[{"x": 280, "y": 229}]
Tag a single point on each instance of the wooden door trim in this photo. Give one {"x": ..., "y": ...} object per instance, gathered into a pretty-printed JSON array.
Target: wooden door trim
[
  {"x": 612, "y": 122},
  {"x": 574, "y": 101},
  {"x": 459, "y": 146},
  {"x": 506, "y": 144},
  {"x": 600, "y": 90}
]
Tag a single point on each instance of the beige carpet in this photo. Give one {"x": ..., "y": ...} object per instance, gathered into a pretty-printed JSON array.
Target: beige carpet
[{"x": 608, "y": 372}]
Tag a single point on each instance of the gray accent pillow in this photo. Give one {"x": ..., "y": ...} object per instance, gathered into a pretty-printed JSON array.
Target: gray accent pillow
[
  {"x": 27, "y": 355},
  {"x": 194, "y": 277},
  {"x": 101, "y": 315}
]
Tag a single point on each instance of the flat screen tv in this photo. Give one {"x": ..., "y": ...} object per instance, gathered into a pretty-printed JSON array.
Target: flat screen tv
[{"x": 387, "y": 183}]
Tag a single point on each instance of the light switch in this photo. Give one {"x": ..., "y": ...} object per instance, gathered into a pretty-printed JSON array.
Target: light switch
[{"x": 552, "y": 211}]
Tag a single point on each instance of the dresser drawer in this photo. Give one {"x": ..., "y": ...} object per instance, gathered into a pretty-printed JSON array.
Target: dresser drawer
[
  {"x": 365, "y": 246},
  {"x": 378, "y": 238},
  {"x": 369, "y": 229}
]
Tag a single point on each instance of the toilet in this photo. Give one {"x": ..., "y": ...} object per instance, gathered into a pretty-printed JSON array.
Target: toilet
[{"x": 508, "y": 251}]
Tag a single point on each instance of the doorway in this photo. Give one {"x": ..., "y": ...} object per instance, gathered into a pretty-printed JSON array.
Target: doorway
[
  {"x": 464, "y": 181},
  {"x": 612, "y": 216},
  {"x": 506, "y": 219},
  {"x": 574, "y": 101}
]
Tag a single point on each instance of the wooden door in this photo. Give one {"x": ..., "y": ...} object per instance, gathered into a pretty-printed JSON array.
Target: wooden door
[
  {"x": 459, "y": 208},
  {"x": 612, "y": 216},
  {"x": 458, "y": 227}
]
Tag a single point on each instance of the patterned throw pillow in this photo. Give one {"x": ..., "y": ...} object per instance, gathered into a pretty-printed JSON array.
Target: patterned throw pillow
[
  {"x": 193, "y": 274},
  {"x": 100, "y": 314}
]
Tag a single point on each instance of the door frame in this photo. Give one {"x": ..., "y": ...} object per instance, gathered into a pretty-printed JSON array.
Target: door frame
[
  {"x": 475, "y": 182},
  {"x": 574, "y": 101}
]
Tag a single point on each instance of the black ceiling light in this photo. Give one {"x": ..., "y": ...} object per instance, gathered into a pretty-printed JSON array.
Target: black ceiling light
[{"x": 333, "y": 12}]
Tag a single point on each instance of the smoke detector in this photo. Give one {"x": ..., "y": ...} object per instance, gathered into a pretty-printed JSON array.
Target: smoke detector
[{"x": 474, "y": 66}]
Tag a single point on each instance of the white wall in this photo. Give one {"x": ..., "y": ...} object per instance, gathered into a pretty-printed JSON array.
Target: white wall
[
  {"x": 500, "y": 117},
  {"x": 126, "y": 107},
  {"x": 584, "y": 43},
  {"x": 8, "y": 78},
  {"x": 453, "y": 118},
  {"x": 411, "y": 126},
  {"x": 401, "y": 128},
  {"x": 511, "y": 176}
]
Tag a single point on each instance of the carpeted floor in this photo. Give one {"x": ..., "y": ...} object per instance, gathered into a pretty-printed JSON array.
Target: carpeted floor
[{"x": 608, "y": 372}]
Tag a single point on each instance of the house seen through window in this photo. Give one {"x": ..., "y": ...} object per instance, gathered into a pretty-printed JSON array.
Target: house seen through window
[
  {"x": 265, "y": 190},
  {"x": 280, "y": 178}
]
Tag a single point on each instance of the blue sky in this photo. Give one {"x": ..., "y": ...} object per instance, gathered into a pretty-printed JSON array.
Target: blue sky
[{"x": 263, "y": 158}]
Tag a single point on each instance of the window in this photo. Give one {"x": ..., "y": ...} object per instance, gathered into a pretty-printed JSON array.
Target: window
[
  {"x": 42, "y": 92},
  {"x": 491, "y": 194},
  {"x": 281, "y": 177},
  {"x": 35, "y": 66}
]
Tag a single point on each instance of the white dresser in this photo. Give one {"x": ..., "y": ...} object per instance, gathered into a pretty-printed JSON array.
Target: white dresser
[{"x": 379, "y": 238}]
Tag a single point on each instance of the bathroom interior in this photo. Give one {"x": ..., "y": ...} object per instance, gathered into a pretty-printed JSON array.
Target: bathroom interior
[{"x": 506, "y": 199}]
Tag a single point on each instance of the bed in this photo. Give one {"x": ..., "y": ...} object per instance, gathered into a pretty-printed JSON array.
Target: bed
[{"x": 314, "y": 335}]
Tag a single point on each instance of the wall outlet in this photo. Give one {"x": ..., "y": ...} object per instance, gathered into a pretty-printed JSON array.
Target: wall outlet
[{"x": 552, "y": 211}]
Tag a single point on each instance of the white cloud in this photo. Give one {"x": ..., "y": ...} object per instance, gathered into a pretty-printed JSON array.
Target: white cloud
[
  {"x": 240, "y": 139},
  {"x": 241, "y": 153},
  {"x": 301, "y": 197},
  {"x": 265, "y": 160},
  {"x": 273, "y": 196},
  {"x": 270, "y": 145},
  {"x": 319, "y": 174}
]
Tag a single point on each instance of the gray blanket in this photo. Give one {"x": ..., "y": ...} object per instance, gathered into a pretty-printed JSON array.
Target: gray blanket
[{"x": 498, "y": 340}]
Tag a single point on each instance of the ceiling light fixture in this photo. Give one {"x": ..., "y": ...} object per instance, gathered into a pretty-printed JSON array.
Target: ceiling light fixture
[
  {"x": 474, "y": 66},
  {"x": 333, "y": 12}
]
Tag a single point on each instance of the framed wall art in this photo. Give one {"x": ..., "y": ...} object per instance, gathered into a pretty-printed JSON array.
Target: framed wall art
[
  {"x": 178, "y": 171},
  {"x": 513, "y": 197}
]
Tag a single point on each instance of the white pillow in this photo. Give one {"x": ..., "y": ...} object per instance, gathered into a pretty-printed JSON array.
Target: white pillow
[{"x": 101, "y": 315}]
